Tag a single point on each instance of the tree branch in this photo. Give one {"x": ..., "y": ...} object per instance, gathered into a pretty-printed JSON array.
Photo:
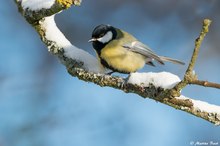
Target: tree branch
[
  {"x": 205, "y": 83},
  {"x": 198, "y": 42},
  {"x": 190, "y": 77},
  {"x": 84, "y": 66},
  {"x": 34, "y": 13}
]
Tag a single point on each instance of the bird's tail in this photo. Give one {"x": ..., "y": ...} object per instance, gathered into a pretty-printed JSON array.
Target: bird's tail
[{"x": 163, "y": 58}]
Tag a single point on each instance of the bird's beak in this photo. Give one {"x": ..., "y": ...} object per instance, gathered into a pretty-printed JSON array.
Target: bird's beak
[{"x": 92, "y": 40}]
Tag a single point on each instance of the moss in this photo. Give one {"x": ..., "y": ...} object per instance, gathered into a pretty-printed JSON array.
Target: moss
[
  {"x": 39, "y": 29},
  {"x": 65, "y": 3}
]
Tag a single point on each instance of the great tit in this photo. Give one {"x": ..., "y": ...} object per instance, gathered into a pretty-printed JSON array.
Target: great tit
[{"x": 121, "y": 52}]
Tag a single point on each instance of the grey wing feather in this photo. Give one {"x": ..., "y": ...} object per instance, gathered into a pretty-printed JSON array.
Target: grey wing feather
[
  {"x": 144, "y": 50},
  {"x": 172, "y": 60}
]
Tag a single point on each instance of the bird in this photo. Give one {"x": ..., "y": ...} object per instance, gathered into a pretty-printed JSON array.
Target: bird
[{"x": 121, "y": 52}]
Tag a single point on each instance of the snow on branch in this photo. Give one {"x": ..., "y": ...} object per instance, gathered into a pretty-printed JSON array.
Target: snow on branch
[
  {"x": 58, "y": 44},
  {"x": 162, "y": 87},
  {"x": 34, "y": 10},
  {"x": 163, "y": 80}
]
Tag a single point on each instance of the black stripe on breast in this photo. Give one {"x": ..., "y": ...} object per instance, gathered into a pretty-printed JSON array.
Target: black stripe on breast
[{"x": 98, "y": 47}]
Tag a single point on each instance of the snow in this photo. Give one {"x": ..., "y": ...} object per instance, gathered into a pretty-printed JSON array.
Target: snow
[
  {"x": 168, "y": 80},
  {"x": 203, "y": 106},
  {"x": 164, "y": 80},
  {"x": 90, "y": 63},
  {"x": 52, "y": 33},
  {"x": 37, "y": 4}
]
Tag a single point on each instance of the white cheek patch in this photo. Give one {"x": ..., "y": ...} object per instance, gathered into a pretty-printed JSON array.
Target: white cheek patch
[{"x": 106, "y": 38}]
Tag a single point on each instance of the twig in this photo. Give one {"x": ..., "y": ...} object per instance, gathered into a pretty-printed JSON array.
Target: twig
[
  {"x": 190, "y": 77},
  {"x": 198, "y": 42},
  {"x": 205, "y": 83}
]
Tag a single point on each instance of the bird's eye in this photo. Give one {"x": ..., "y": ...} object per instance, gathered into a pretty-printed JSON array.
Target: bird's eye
[{"x": 101, "y": 35}]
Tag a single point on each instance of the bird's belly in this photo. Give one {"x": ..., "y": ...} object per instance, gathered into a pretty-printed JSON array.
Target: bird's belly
[{"x": 123, "y": 61}]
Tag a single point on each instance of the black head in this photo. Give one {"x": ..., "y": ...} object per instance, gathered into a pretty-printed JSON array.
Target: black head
[{"x": 102, "y": 35}]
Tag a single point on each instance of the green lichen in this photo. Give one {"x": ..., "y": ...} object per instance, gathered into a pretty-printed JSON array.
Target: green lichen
[
  {"x": 65, "y": 3},
  {"x": 68, "y": 3}
]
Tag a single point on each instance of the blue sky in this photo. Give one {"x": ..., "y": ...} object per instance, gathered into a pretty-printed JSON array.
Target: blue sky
[{"x": 41, "y": 104}]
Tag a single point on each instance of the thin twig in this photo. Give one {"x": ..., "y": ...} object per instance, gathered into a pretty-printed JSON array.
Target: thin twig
[
  {"x": 198, "y": 42},
  {"x": 189, "y": 75},
  {"x": 205, "y": 83}
]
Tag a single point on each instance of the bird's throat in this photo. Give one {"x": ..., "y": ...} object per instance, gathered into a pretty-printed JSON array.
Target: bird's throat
[{"x": 98, "y": 47}]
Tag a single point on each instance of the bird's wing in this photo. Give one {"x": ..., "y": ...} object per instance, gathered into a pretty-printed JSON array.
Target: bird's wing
[{"x": 144, "y": 50}]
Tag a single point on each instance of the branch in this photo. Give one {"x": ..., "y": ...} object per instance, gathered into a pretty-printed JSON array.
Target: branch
[
  {"x": 86, "y": 67},
  {"x": 205, "y": 83},
  {"x": 198, "y": 42},
  {"x": 34, "y": 10},
  {"x": 190, "y": 77}
]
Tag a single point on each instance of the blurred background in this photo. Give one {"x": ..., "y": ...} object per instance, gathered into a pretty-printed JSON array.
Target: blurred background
[{"x": 42, "y": 105}]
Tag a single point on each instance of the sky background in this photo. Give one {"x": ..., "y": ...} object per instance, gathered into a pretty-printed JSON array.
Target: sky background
[{"x": 41, "y": 104}]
